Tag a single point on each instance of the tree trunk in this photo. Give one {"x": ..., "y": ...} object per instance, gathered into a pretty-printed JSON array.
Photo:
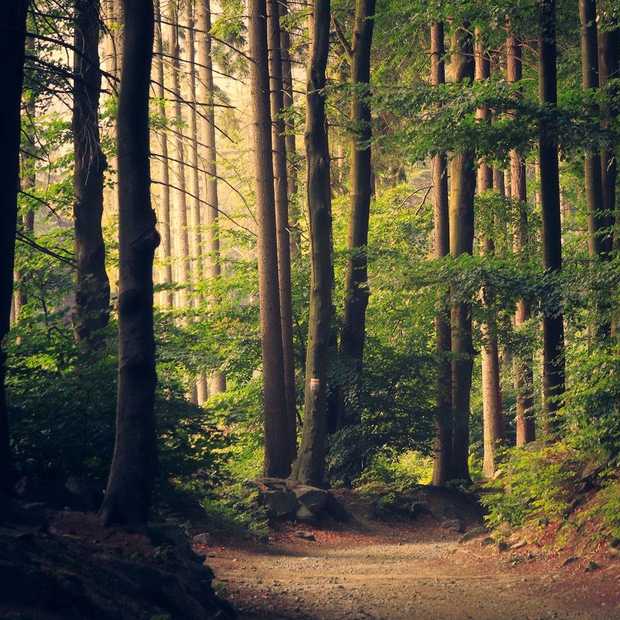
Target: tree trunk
[
  {"x": 166, "y": 278},
  {"x": 280, "y": 173},
  {"x": 553, "y": 321},
  {"x": 353, "y": 332},
  {"x": 92, "y": 293},
  {"x": 277, "y": 427},
  {"x": 522, "y": 365},
  {"x": 291, "y": 149},
  {"x": 491, "y": 394},
  {"x": 211, "y": 237},
  {"x": 592, "y": 164},
  {"x": 310, "y": 464},
  {"x": 181, "y": 233},
  {"x": 128, "y": 494},
  {"x": 461, "y": 242},
  {"x": 12, "y": 51},
  {"x": 443, "y": 440}
]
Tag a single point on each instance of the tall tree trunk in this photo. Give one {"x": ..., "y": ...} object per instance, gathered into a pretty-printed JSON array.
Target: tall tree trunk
[
  {"x": 553, "y": 321},
  {"x": 291, "y": 149},
  {"x": 310, "y": 464},
  {"x": 92, "y": 293},
  {"x": 353, "y": 332},
  {"x": 461, "y": 242},
  {"x": 211, "y": 237},
  {"x": 181, "y": 233},
  {"x": 592, "y": 164},
  {"x": 491, "y": 395},
  {"x": 128, "y": 494},
  {"x": 12, "y": 51},
  {"x": 443, "y": 440},
  {"x": 280, "y": 173},
  {"x": 522, "y": 365},
  {"x": 609, "y": 68},
  {"x": 277, "y": 427},
  {"x": 166, "y": 278}
]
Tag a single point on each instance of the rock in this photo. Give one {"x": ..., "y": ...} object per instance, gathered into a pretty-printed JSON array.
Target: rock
[
  {"x": 502, "y": 546},
  {"x": 518, "y": 545},
  {"x": 279, "y": 502},
  {"x": 202, "y": 539},
  {"x": 570, "y": 560},
  {"x": 85, "y": 495},
  {"x": 418, "y": 509},
  {"x": 615, "y": 543},
  {"x": 454, "y": 525},
  {"x": 312, "y": 498},
  {"x": 305, "y": 515},
  {"x": 476, "y": 532},
  {"x": 305, "y": 535},
  {"x": 487, "y": 541},
  {"x": 592, "y": 566},
  {"x": 336, "y": 510}
]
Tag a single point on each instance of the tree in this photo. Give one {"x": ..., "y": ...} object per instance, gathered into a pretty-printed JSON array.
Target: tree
[
  {"x": 128, "y": 493},
  {"x": 280, "y": 173},
  {"x": 353, "y": 332},
  {"x": 92, "y": 294},
  {"x": 211, "y": 237},
  {"x": 443, "y": 441},
  {"x": 310, "y": 464},
  {"x": 12, "y": 51},
  {"x": 463, "y": 180},
  {"x": 523, "y": 375},
  {"x": 277, "y": 428},
  {"x": 553, "y": 320}
]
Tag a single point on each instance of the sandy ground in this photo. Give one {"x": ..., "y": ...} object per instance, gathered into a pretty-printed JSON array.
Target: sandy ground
[{"x": 403, "y": 570}]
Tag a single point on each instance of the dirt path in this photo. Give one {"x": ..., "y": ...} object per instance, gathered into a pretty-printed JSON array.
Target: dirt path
[{"x": 410, "y": 571}]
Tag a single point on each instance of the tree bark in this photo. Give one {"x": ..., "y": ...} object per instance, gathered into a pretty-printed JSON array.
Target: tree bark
[
  {"x": 166, "y": 278},
  {"x": 443, "y": 440},
  {"x": 522, "y": 365},
  {"x": 353, "y": 332},
  {"x": 277, "y": 428},
  {"x": 461, "y": 242},
  {"x": 553, "y": 320},
  {"x": 92, "y": 293},
  {"x": 491, "y": 394},
  {"x": 280, "y": 174},
  {"x": 12, "y": 51},
  {"x": 211, "y": 237},
  {"x": 592, "y": 163},
  {"x": 310, "y": 464},
  {"x": 128, "y": 494},
  {"x": 181, "y": 233}
]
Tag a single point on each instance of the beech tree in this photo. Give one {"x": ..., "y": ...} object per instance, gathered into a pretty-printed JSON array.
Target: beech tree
[
  {"x": 132, "y": 473},
  {"x": 310, "y": 464},
  {"x": 92, "y": 294},
  {"x": 277, "y": 427},
  {"x": 12, "y": 50}
]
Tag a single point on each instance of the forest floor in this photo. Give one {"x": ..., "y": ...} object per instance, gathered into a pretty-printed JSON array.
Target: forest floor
[{"x": 403, "y": 569}]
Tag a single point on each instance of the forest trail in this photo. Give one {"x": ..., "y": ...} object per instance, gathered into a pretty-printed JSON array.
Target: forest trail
[{"x": 409, "y": 570}]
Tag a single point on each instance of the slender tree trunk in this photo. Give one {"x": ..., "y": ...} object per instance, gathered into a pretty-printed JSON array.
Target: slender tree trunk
[
  {"x": 277, "y": 427},
  {"x": 553, "y": 321},
  {"x": 128, "y": 494},
  {"x": 280, "y": 174},
  {"x": 592, "y": 164},
  {"x": 291, "y": 149},
  {"x": 12, "y": 51},
  {"x": 353, "y": 332},
  {"x": 92, "y": 293},
  {"x": 522, "y": 365},
  {"x": 166, "y": 278},
  {"x": 310, "y": 464},
  {"x": 181, "y": 233},
  {"x": 461, "y": 242},
  {"x": 491, "y": 395},
  {"x": 609, "y": 68},
  {"x": 211, "y": 237},
  {"x": 443, "y": 440}
]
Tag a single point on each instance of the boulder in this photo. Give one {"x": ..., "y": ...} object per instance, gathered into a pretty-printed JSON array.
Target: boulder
[
  {"x": 312, "y": 498},
  {"x": 279, "y": 503},
  {"x": 305, "y": 515},
  {"x": 336, "y": 510}
]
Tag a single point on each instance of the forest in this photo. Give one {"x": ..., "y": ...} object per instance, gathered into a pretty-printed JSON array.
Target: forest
[{"x": 310, "y": 309}]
